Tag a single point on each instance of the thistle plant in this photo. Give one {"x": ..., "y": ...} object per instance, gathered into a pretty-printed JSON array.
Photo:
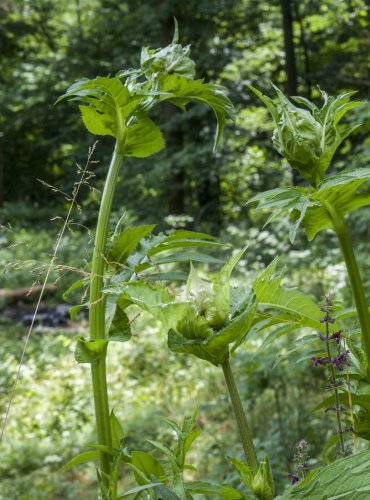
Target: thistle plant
[
  {"x": 308, "y": 137},
  {"x": 119, "y": 107}
]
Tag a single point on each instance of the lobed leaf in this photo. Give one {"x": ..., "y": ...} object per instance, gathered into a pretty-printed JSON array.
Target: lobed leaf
[
  {"x": 185, "y": 91},
  {"x": 301, "y": 308}
]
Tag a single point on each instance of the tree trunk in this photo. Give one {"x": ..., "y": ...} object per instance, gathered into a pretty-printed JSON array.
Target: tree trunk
[
  {"x": 1, "y": 173},
  {"x": 290, "y": 63},
  {"x": 174, "y": 138}
]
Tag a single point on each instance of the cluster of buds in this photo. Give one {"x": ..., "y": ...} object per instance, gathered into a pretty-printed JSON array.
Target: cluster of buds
[{"x": 301, "y": 459}]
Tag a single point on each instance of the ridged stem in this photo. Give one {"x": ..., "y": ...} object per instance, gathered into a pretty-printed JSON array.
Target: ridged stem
[
  {"x": 97, "y": 312},
  {"x": 353, "y": 275},
  {"x": 240, "y": 416}
]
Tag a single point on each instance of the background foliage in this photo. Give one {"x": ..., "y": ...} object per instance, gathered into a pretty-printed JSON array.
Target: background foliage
[{"x": 46, "y": 45}]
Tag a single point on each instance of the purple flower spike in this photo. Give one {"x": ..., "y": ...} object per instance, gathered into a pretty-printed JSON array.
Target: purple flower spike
[
  {"x": 319, "y": 361},
  {"x": 293, "y": 479},
  {"x": 341, "y": 360},
  {"x": 337, "y": 336}
]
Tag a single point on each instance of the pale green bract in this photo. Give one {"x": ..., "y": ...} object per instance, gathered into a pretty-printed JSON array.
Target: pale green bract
[
  {"x": 118, "y": 106},
  {"x": 207, "y": 321},
  {"x": 307, "y": 137},
  {"x": 261, "y": 483}
]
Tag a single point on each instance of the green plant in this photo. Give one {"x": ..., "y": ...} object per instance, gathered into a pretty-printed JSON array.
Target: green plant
[
  {"x": 308, "y": 137},
  {"x": 119, "y": 107}
]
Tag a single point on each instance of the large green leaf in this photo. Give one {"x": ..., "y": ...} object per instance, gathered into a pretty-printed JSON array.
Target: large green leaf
[
  {"x": 125, "y": 242},
  {"x": 345, "y": 479},
  {"x": 340, "y": 192},
  {"x": 285, "y": 201},
  {"x": 117, "y": 324},
  {"x": 185, "y": 91},
  {"x": 147, "y": 465},
  {"x": 108, "y": 104},
  {"x": 143, "y": 139},
  {"x": 301, "y": 309},
  {"x": 310, "y": 206}
]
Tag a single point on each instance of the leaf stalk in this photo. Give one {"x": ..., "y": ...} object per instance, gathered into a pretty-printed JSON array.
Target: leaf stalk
[{"x": 241, "y": 418}]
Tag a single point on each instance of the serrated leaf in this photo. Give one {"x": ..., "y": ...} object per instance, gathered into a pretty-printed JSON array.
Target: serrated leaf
[
  {"x": 185, "y": 91},
  {"x": 148, "y": 465},
  {"x": 189, "y": 440},
  {"x": 285, "y": 201},
  {"x": 346, "y": 479},
  {"x": 173, "y": 58},
  {"x": 203, "y": 487},
  {"x": 109, "y": 104},
  {"x": 97, "y": 123},
  {"x": 302, "y": 309},
  {"x": 171, "y": 244},
  {"x": 117, "y": 431},
  {"x": 362, "y": 400},
  {"x": 163, "y": 493},
  {"x": 229, "y": 493},
  {"x": 156, "y": 300},
  {"x": 117, "y": 322},
  {"x": 168, "y": 453},
  {"x": 340, "y": 192},
  {"x": 188, "y": 257},
  {"x": 181, "y": 234},
  {"x": 245, "y": 472},
  {"x": 136, "y": 490},
  {"x": 169, "y": 276},
  {"x": 87, "y": 456},
  {"x": 124, "y": 243},
  {"x": 90, "y": 351},
  {"x": 269, "y": 103},
  {"x": 75, "y": 286},
  {"x": 143, "y": 139}
]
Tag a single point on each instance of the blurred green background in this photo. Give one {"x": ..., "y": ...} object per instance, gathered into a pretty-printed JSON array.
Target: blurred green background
[{"x": 46, "y": 45}]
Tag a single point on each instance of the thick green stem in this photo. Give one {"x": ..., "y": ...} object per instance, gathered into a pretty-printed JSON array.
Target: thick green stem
[
  {"x": 241, "y": 419},
  {"x": 354, "y": 277},
  {"x": 97, "y": 310}
]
